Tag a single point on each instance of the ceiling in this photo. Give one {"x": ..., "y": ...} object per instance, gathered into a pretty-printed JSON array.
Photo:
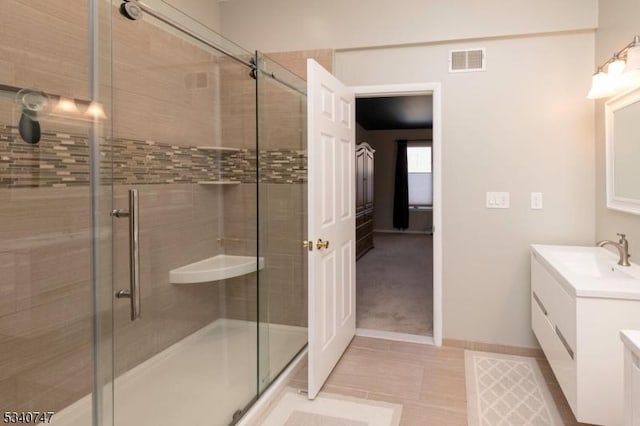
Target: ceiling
[{"x": 396, "y": 112}]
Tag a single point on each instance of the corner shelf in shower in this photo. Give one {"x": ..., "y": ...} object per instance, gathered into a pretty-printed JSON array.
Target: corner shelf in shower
[
  {"x": 218, "y": 182},
  {"x": 218, "y": 148},
  {"x": 216, "y": 268}
]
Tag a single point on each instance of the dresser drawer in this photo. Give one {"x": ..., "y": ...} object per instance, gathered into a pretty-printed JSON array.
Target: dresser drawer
[
  {"x": 363, "y": 245},
  {"x": 363, "y": 218},
  {"x": 364, "y": 230}
]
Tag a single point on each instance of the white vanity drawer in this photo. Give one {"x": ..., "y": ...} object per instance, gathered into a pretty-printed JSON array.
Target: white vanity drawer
[
  {"x": 560, "y": 306},
  {"x": 562, "y": 363}
]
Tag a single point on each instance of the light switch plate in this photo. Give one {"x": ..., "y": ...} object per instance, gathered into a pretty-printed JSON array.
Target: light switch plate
[
  {"x": 497, "y": 200},
  {"x": 536, "y": 200}
]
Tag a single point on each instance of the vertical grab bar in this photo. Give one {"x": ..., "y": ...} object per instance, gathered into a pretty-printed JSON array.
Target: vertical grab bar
[{"x": 133, "y": 293}]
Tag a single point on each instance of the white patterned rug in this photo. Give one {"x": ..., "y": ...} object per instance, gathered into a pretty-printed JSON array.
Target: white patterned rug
[
  {"x": 507, "y": 390},
  {"x": 295, "y": 409}
]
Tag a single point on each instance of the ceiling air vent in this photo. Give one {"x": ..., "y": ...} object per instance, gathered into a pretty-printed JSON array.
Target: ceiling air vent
[{"x": 467, "y": 60}]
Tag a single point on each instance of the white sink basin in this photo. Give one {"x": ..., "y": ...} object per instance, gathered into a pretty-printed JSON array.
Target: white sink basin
[
  {"x": 216, "y": 268},
  {"x": 590, "y": 263},
  {"x": 591, "y": 271}
]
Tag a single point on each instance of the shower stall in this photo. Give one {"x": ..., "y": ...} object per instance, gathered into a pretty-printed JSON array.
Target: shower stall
[{"x": 153, "y": 181}]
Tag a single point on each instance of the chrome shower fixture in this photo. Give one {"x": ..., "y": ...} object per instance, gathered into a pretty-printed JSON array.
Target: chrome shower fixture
[
  {"x": 32, "y": 103},
  {"x": 131, "y": 9}
]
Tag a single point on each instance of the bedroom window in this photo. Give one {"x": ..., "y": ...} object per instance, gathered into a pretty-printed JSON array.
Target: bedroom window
[{"x": 420, "y": 176}]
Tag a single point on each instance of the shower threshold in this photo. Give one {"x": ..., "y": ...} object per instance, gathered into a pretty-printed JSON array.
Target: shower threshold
[{"x": 202, "y": 379}]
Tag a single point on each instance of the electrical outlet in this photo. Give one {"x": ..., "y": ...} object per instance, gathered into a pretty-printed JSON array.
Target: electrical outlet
[{"x": 536, "y": 200}]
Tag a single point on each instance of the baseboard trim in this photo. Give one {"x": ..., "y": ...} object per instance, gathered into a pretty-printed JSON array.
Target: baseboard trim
[
  {"x": 263, "y": 405},
  {"x": 399, "y": 337},
  {"x": 491, "y": 347}
]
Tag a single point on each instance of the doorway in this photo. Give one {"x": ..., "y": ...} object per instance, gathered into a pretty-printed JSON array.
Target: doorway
[{"x": 399, "y": 271}]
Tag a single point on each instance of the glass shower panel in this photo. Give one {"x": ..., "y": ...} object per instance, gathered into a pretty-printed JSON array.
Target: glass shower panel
[
  {"x": 55, "y": 200},
  {"x": 282, "y": 122},
  {"x": 184, "y": 138}
]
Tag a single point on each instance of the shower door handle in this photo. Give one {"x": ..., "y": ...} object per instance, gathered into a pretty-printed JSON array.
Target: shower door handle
[{"x": 133, "y": 293}]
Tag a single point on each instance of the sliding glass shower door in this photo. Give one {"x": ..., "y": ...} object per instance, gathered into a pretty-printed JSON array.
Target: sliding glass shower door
[
  {"x": 152, "y": 196},
  {"x": 55, "y": 200},
  {"x": 282, "y": 173},
  {"x": 185, "y": 228}
]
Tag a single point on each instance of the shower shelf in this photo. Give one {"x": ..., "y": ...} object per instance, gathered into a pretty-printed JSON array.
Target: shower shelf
[
  {"x": 216, "y": 268},
  {"x": 218, "y": 148},
  {"x": 218, "y": 182}
]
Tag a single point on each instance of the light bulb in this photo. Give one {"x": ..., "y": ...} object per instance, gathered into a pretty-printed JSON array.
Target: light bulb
[
  {"x": 96, "y": 110},
  {"x": 66, "y": 105}
]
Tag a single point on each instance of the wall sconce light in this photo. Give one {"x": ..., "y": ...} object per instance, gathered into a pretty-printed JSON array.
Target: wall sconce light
[
  {"x": 66, "y": 105},
  {"x": 622, "y": 72},
  {"x": 96, "y": 110},
  {"x": 35, "y": 103},
  {"x": 601, "y": 86}
]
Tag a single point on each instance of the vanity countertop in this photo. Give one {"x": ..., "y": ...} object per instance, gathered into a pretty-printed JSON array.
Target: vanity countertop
[
  {"x": 590, "y": 271},
  {"x": 631, "y": 339}
]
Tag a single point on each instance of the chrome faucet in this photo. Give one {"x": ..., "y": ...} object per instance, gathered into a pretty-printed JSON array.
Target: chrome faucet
[{"x": 622, "y": 246}]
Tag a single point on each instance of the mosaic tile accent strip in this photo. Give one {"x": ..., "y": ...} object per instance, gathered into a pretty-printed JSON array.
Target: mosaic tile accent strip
[
  {"x": 57, "y": 160},
  {"x": 282, "y": 166},
  {"x": 146, "y": 162},
  {"x": 63, "y": 160}
]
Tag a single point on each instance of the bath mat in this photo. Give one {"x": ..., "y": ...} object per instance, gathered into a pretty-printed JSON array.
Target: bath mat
[
  {"x": 295, "y": 409},
  {"x": 507, "y": 390}
]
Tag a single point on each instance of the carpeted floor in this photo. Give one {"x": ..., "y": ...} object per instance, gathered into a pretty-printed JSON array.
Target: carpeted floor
[{"x": 394, "y": 284}]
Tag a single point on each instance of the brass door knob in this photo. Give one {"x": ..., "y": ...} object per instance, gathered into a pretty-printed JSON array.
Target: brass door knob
[
  {"x": 308, "y": 245},
  {"x": 322, "y": 244}
]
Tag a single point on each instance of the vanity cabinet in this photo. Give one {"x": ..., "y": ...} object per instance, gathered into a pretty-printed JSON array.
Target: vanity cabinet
[
  {"x": 579, "y": 334},
  {"x": 631, "y": 339},
  {"x": 364, "y": 198}
]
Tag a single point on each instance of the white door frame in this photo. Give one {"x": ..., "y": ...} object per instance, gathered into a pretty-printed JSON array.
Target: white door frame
[{"x": 433, "y": 89}]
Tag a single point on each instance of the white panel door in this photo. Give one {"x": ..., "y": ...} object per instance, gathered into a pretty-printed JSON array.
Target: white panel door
[{"x": 332, "y": 272}]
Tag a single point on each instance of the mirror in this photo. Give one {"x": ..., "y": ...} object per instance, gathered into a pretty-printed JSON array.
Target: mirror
[{"x": 622, "y": 115}]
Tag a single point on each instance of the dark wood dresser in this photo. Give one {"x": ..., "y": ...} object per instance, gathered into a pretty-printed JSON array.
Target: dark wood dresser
[{"x": 364, "y": 198}]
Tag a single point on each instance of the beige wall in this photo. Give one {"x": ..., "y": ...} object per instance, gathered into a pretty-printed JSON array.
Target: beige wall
[
  {"x": 383, "y": 141},
  {"x": 523, "y": 125},
  {"x": 282, "y": 25},
  {"x": 618, "y": 25}
]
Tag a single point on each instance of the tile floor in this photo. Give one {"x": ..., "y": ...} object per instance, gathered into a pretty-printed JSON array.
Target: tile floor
[{"x": 428, "y": 381}]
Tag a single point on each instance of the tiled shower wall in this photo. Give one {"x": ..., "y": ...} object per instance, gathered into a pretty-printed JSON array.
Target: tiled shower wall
[
  {"x": 45, "y": 328},
  {"x": 171, "y": 101}
]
